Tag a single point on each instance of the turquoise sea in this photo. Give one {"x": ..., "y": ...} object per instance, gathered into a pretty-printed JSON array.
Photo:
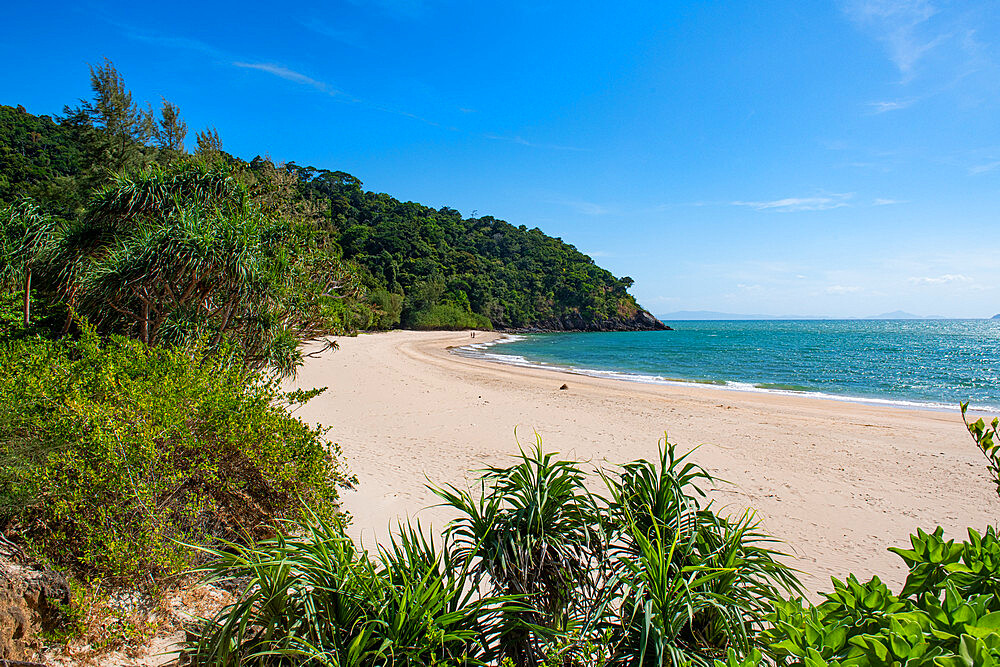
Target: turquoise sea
[{"x": 917, "y": 363}]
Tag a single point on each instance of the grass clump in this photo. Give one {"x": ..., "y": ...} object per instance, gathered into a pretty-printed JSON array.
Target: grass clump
[
  {"x": 536, "y": 570},
  {"x": 114, "y": 451},
  {"x": 315, "y": 598}
]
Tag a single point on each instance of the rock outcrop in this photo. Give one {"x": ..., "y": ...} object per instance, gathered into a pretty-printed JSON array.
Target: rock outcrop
[
  {"x": 641, "y": 321},
  {"x": 30, "y": 600}
]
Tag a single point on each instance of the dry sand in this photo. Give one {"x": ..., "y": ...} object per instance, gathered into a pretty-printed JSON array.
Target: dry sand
[{"x": 839, "y": 482}]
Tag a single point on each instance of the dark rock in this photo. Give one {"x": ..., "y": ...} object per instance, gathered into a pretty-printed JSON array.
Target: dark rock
[
  {"x": 565, "y": 386},
  {"x": 641, "y": 321},
  {"x": 32, "y": 598}
]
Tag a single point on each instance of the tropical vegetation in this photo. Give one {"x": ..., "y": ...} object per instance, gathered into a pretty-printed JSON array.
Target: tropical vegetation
[
  {"x": 113, "y": 452},
  {"x": 537, "y": 569},
  {"x": 408, "y": 264}
]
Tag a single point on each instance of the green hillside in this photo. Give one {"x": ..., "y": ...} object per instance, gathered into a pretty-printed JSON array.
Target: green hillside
[{"x": 418, "y": 267}]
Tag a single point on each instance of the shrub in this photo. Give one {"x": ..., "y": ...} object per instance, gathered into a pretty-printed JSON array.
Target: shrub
[
  {"x": 688, "y": 585},
  {"x": 948, "y": 612},
  {"x": 447, "y": 316},
  {"x": 317, "y": 599},
  {"x": 389, "y": 306},
  {"x": 533, "y": 532},
  {"x": 537, "y": 570},
  {"x": 111, "y": 452}
]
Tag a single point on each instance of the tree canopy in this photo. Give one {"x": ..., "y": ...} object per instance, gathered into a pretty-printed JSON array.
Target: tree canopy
[{"x": 140, "y": 220}]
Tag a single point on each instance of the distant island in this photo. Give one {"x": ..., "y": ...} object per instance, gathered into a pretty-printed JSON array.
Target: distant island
[
  {"x": 699, "y": 315},
  {"x": 996, "y": 317}
]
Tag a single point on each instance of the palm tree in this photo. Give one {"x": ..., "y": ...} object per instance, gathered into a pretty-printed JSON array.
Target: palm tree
[
  {"x": 26, "y": 232},
  {"x": 183, "y": 255},
  {"x": 532, "y": 535}
]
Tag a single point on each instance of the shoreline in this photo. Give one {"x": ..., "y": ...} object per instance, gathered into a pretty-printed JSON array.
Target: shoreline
[
  {"x": 838, "y": 482},
  {"x": 724, "y": 385}
]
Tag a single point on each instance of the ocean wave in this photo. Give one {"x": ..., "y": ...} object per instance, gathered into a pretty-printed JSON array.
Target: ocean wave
[{"x": 479, "y": 351}]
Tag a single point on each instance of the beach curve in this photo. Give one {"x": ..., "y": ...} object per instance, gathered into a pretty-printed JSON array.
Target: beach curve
[{"x": 838, "y": 482}]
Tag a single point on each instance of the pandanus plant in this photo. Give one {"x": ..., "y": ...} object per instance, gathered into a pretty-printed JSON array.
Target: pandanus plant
[
  {"x": 184, "y": 255},
  {"x": 533, "y": 534},
  {"x": 26, "y": 233}
]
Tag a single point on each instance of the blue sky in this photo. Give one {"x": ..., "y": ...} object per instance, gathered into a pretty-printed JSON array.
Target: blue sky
[{"x": 814, "y": 158}]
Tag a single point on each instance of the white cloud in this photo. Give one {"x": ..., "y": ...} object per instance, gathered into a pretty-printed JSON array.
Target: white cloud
[
  {"x": 983, "y": 168},
  {"x": 795, "y": 204},
  {"x": 941, "y": 280},
  {"x": 882, "y": 201},
  {"x": 289, "y": 75},
  {"x": 586, "y": 207},
  {"x": 842, "y": 289},
  {"x": 901, "y": 26},
  {"x": 882, "y": 107}
]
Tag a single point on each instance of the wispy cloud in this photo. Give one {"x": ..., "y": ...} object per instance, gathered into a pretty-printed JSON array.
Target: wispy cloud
[
  {"x": 881, "y": 201},
  {"x": 896, "y": 105},
  {"x": 983, "y": 168},
  {"x": 796, "y": 204},
  {"x": 842, "y": 289},
  {"x": 404, "y": 7},
  {"x": 901, "y": 26},
  {"x": 936, "y": 49},
  {"x": 941, "y": 280},
  {"x": 524, "y": 142},
  {"x": 289, "y": 75}
]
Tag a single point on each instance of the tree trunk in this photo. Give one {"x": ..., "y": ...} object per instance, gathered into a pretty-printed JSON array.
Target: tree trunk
[
  {"x": 27, "y": 298},
  {"x": 145, "y": 322}
]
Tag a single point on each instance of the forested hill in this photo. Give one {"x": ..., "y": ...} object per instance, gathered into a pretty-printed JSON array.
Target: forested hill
[{"x": 419, "y": 267}]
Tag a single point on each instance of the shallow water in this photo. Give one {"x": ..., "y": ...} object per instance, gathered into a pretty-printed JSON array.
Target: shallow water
[{"x": 918, "y": 363}]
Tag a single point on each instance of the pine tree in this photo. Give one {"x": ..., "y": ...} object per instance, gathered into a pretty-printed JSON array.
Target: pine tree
[
  {"x": 209, "y": 143},
  {"x": 172, "y": 130},
  {"x": 124, "y": 127}
]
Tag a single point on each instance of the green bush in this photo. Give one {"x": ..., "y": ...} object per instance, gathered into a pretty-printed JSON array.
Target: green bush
[
  {"x": 389, "y": 306},
  {"x": 947, "y": 614},
  {"x": 111, "y": 452},
  {"x": 447, "y": 316},
  {"x": 537, "y": 570},
  {"x": 317, "y": 599}
]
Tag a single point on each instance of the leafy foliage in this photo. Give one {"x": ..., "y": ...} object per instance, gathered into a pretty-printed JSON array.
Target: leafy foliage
[
  {"x": 316, "y": 599},
  {"x": 988, "y": 441},
  {"x": 537, "y": 570},
  {"x": 34, "y": 151},
  {"x": 533, "y": 533},
  {"x": 444, "y": 271},
  {"x": 111, "y": 452},
  {"x": 948, "y": 612},
  {"x": 182, "y": 256},
  {"x": 513, "y": 276},
  {"x": 693, "y": 584}
]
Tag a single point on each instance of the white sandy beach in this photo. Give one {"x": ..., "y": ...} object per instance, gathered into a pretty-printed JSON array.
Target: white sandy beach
[{"x": 838, "y": 481}]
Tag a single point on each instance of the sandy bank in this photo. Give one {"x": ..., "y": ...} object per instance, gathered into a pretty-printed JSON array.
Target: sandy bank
[{"x": 839, "y": 482}]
